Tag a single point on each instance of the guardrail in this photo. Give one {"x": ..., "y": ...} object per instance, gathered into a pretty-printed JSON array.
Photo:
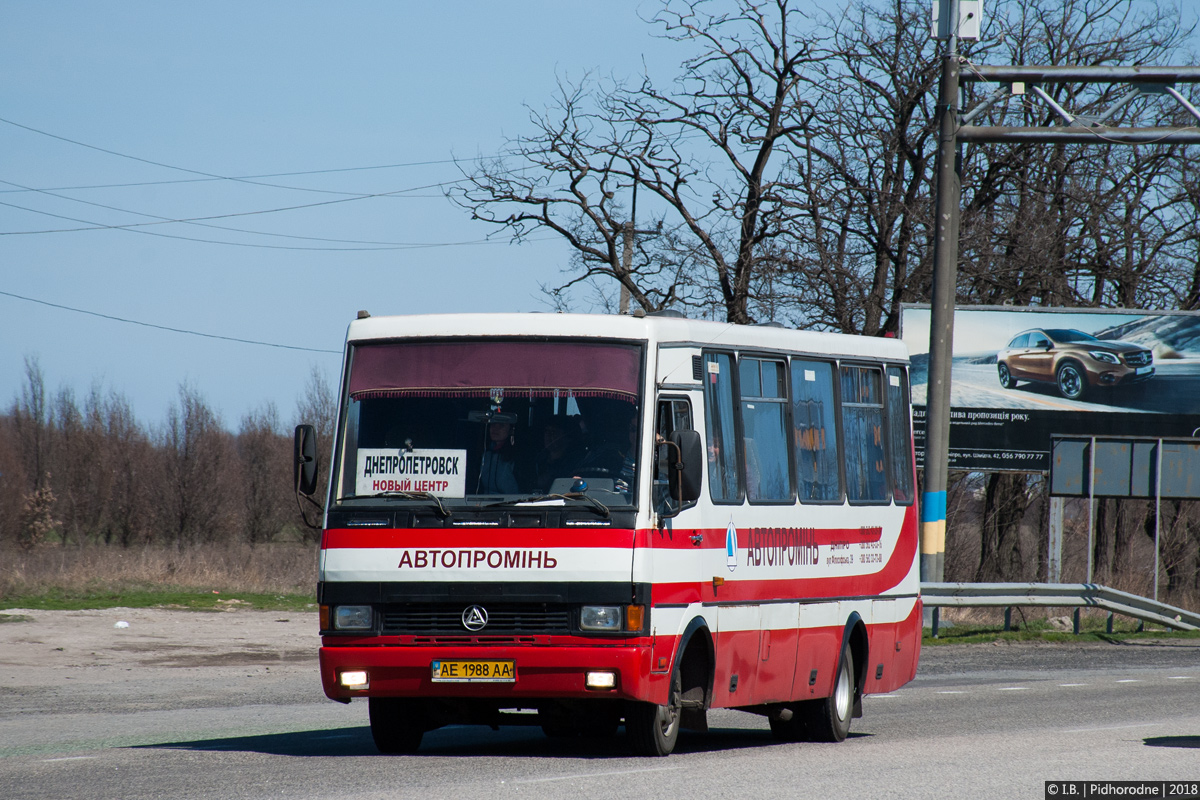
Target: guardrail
[{"x": 1079, "y": 595}]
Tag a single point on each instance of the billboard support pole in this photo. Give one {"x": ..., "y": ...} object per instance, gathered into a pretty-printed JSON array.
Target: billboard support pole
[
  {"x": 1091, "y": 506},
  {"x": 1054, "y": 559},
  {"x": 1158, "y": 448},
  {"x": 941, "y": 323}
]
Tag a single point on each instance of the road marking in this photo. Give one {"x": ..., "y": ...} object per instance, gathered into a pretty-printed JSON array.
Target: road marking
[
  {"x": 68, "y": 758},
  {"x": 881, "y": 696},
  {"x": 1129, "y": 680},
  {"x": 949, "y": 692},
  {"x": 1179, "y": 677},
  {"x": 1115, "y": 727},
  {"x": 595, "y": 775}
]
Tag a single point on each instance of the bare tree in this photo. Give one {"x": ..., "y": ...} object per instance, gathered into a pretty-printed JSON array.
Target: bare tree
[
  {"x": 31, "y": 423},
  {"x": 12, "y": 480},
  {"x": 705, "y": 159},
  {"x": 864, "y": 172},
  {"x": 130, "y": 462},
  {"x": 196, "y": 481},
  {"x": 73, "y": 475},
  {"x": 265, "y": 475}
]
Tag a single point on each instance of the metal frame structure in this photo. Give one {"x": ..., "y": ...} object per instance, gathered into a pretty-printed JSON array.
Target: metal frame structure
[
  {"x": 953, "y": 130},
  {"x": 1055, "y": 595}
]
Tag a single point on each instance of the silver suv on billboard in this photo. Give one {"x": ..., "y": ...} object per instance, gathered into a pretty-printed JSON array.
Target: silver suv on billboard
[{"x": 1072, "y": 360}]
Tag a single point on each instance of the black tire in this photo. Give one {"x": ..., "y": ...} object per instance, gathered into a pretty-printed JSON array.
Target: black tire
[
  {"x": 652, "y": 729},
  {"x": 397, "y": 724},
  {"x": 1006, "y": 379},
  {"x": 1072, "y": 384},
  {"x": 828, "y": 719}
]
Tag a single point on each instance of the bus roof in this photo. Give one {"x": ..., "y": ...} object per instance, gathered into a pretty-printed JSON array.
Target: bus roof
[{"x": 653, "y": 329}]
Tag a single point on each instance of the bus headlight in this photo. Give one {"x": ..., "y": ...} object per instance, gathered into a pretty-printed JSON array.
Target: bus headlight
[
  {"x": 355, "y": 680},
  {"x": 600, "y": 618},
  {"x": 603, "y": 679},
  {"x": 353, "y": 618}
]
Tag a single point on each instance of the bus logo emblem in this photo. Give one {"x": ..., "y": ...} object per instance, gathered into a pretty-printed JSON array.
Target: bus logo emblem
[
  {"x": 731, "y": 547},
  {"x": 475, "y": 618}
]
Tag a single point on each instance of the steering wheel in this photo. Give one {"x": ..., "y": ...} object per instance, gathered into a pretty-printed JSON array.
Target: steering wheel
[{"x": 593, "y": 472}]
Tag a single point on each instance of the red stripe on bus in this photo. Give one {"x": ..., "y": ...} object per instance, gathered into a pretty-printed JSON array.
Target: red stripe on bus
[
  {"x": 375, "y": 538},
  {"x": 583, "y": 536},
  {"x": 745, "y": 588}
]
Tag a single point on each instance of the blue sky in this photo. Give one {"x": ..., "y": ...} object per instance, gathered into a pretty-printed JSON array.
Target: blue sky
[{"x": 253, "y": 89}]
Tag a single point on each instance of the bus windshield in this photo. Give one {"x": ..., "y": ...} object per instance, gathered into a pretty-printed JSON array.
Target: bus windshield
[{"x": 485, "y": 421}]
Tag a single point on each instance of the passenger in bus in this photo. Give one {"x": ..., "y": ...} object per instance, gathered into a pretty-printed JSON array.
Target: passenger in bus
[
  {"x": 722, "y": 475},
  {"x": 562, "y": 452},
  {"x": 497, "y": 472}
]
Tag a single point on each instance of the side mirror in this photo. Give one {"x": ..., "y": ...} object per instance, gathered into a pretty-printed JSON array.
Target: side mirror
[
  {"x": 685, "y": 480},
  {"x": 684, "y": 454},
  {"x": 304, "y": 459}
]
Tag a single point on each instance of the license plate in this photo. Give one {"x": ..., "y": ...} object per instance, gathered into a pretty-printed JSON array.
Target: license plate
[
  {"x": 474, "y": 671},
  {"x": 1143, "y": 370}
]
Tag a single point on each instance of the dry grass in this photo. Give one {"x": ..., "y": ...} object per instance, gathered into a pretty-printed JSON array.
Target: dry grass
[{"x": 284, "y": 568}]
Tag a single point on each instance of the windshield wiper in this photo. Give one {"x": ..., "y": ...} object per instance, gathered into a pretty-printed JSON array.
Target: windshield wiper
[
  {"x": 433, "y": 498},
  {"x": 595, "y": 504}
]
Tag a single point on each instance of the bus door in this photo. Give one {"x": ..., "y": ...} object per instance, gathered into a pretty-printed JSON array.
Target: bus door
[{"x": 677, "y": 548}]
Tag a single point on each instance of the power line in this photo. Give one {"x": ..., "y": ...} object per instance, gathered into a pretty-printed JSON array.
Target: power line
[
  {"x": 251, "y": 179},
  {"x": 280, "y": 209},
  {"x": 137, "y": 184},
  {"x": 51, "y": 193},
  {"x": 165, "y": 327},
  {"x": 94, "y": 226},
  {"x": 203, "y": 174}
]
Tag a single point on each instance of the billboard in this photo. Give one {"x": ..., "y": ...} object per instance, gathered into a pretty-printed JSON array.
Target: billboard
[{"x": 1023, "y": 375}]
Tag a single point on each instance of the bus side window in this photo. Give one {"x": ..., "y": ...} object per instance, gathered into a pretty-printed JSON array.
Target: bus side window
[
  {"x": 768, "y": 467},
  {"x": 814, "y": 432},
  {"x": 862, "y": 429},
  {"x": 900, "y": 436},
  {"x": 720, "y": 425}
]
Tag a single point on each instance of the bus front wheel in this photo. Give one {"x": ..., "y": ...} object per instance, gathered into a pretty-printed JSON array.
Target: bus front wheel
[
  {"x": 397, "y": 724},
  {"x": 653, "y": 729}
]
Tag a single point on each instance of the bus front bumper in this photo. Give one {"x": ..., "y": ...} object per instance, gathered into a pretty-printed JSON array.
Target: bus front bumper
[{"x": 540, "y": 672}]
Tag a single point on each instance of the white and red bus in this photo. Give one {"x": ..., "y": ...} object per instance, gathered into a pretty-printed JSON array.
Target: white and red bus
[{"x": 586, "y": 521}]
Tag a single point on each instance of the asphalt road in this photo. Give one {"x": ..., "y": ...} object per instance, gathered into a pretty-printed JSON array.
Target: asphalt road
[{"x": 186, "y": 714}]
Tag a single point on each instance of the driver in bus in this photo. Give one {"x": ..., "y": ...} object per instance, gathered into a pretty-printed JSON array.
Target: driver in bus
[{"x": 498, "y": 471}]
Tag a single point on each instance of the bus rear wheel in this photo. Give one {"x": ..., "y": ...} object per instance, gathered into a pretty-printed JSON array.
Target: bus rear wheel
[
  {"x": 828, "y": 719},
  {"x": 653, "y": 729},
  {"x": 397, "y": 724}
]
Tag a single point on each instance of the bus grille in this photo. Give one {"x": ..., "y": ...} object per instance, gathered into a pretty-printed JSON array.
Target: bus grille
[{"x": 503, "y": 618}]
